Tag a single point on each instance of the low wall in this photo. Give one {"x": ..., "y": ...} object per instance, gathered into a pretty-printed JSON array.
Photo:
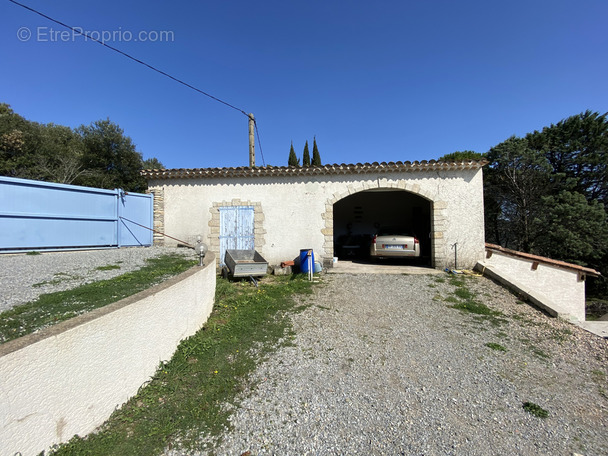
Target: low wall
[
  {"x": 69, "y": 378},
  {"x": 554, "y": 286}
]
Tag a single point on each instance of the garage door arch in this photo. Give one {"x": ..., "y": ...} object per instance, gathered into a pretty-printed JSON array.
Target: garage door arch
[{"x": 436, "y": 214}]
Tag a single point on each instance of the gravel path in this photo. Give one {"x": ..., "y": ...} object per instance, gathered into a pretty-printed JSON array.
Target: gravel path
[
  {"x": 25, "y": 277},
  {"x": 382, "y": 366}
]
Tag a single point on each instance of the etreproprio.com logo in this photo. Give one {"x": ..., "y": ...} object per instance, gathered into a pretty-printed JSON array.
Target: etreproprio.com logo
[{"x": 51, "y": 35}]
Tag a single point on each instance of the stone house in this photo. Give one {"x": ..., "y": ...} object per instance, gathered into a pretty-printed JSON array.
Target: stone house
[{"x": 332, "y": 209}]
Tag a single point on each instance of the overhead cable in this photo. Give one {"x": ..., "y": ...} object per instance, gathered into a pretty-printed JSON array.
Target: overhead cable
[
  {"x": 88, "y": 36},
  {"x": 257, "y": 132}
]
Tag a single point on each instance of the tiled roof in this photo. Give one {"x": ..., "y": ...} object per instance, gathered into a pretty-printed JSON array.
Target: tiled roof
[
  {"x": 540, "y": 259},
  {"x": 359, "y": 168}
]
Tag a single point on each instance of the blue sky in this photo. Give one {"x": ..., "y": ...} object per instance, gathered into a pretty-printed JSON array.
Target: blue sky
[{"x": 373, "y": 81}]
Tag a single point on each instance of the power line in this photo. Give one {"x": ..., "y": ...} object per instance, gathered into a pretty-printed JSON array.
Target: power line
[
  {"x": 88, "y": 36},
  {"x": 257, "y": 132},
  {"x": 80, "y": 32}
]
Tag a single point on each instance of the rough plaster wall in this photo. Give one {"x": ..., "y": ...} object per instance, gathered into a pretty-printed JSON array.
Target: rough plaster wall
[
  {"x": 71, "y": 382},
  {"x": 298, "y": 211},
  {"x": 560, "y": 286},
  {"x": 464, "y": 217}
]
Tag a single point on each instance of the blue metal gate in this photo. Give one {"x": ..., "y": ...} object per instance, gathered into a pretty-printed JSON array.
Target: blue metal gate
[
  {"x": 38, "y": 215},
  {"x": 236, "y": 229},
  {"x": 136, "y": 215}
]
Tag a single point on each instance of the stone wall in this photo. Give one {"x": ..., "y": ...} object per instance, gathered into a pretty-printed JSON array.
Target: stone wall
[{"x": 159, "y": 215}]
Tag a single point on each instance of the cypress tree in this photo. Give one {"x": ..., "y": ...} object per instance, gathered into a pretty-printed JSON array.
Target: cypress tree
[
  {"x": 316, "y": 157},
  {"x": 293, "y": 159},
  {"x": 306, "y": 156}
]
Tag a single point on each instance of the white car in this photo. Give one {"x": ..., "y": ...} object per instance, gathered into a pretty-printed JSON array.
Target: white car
[{"x": 394, "y": 243}]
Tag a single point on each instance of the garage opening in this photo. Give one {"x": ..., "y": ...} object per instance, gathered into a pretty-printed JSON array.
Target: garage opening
[{"x": 358, "y": 217}]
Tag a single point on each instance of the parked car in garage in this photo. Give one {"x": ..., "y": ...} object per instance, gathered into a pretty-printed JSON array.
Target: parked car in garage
[{"x": 391, "y": 242}]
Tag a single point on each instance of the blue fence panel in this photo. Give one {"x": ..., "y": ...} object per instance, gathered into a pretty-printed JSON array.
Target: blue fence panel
[{"x": 41, "y": 215}]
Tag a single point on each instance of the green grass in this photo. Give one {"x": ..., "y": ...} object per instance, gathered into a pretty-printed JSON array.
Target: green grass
[
  {"x": 51, "y": 308},
  {"x": 535, "y": 410},
  {"x": 474, "y": 307},
  {"x": 540, "y": 354},
  {"x": 598, "y": 376},
  {"x": 464, "y": 293},
  {"x": 108, "y": 267},
  {"x": 187, "y": 396},
  {"x": 57, "y": 279},
  {"x": 465, "y": 300},
  {"x": 495, "y": 346}
]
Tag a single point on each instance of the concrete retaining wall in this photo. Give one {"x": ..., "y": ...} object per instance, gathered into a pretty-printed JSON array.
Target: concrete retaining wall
[
  {"x": 558, "y": 290},
  {"x": 69, "y": 378}
]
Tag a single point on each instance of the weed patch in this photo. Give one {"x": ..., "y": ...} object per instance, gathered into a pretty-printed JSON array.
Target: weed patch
[
  {"x": 52, "y": 308},
  {"x": 57, "y": 279},
  {"x": 540, "y": 354},
  {"x": 561, "y": 335},
  {"x": 464, "y": 293},
  {"x": 465, "y": 300},
  {"x": 598, "y": 376},
  {"x": 475, "y": 308},
  {"x": 495, "y": 346},
  {"x": 535, "y": 410},
  {"x": 107, "y": 267},
  {"x": 186, "y": 398},
  {"x": 457, "y": 281}
]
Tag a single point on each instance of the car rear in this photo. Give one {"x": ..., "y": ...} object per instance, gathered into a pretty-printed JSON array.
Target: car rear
[{"x": 394, "y": 243}]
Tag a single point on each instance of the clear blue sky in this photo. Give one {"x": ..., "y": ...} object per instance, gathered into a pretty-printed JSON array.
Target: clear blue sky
[{"x": 374, "y": 81}]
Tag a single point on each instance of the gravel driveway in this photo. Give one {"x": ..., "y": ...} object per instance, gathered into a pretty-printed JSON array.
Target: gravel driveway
[
  {"x": 25, "y": 277},
  {"x": 381, "y": 365}
]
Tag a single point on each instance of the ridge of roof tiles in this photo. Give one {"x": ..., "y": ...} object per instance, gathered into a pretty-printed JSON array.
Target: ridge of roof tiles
[{"x": 357, "y": 168}]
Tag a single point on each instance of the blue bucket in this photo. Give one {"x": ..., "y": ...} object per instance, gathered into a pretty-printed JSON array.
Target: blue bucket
[{"x": 304, "y": 266}]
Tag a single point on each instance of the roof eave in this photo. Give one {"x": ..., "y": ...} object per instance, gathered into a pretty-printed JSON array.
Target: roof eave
[{"x": 335, "y": 169}]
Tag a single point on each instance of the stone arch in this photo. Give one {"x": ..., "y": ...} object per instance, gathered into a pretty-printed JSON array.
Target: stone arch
[{"x": 438, "y": 215}]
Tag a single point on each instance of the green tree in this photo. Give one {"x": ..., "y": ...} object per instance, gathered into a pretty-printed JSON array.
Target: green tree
[
  {"x": 316, "y": 157},
  {"x": 98, "y": 155},
  {"x": 306, "y": 156},
  {"x": 464, "y": 155},
  {"x": 152, "y": 163},
  {"x": 19, "y": 143},
  {"x": 547, "y": 193},
  {"x": 573, "y": 229},
  {"x": 516, "y": 180},
  {"x": 60, "y": 156},
  {"x": 293, "y": 159},
  {"x": 110, "y": 157},
  {"x": 577, "y": 149}
]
